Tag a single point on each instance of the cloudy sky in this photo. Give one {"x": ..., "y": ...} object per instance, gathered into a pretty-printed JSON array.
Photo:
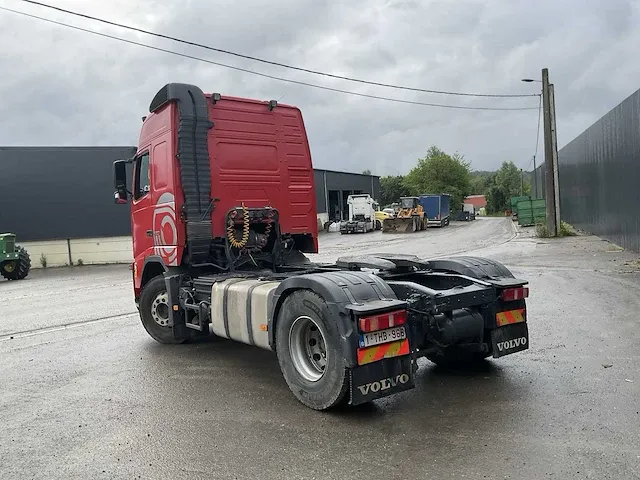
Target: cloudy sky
[{"x": 64, "y": 87}]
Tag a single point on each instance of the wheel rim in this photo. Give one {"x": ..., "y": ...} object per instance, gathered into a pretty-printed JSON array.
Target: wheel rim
[
  {"x": 9, "y": 267},
  {"x": 160, "y": 309},
  {"x": 307, "y": 347}
]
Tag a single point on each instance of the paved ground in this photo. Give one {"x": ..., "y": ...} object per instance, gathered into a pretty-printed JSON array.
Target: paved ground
[{"x": 85, "y": 393}]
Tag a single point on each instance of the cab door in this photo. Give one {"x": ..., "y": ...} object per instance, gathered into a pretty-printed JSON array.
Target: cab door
[
  {"x": 142, "y": 207},
  {"x": 168, "y": 230}
]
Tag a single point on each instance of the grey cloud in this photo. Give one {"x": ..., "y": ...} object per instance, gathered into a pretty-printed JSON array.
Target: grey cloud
[{"x": 64, "y": 87}]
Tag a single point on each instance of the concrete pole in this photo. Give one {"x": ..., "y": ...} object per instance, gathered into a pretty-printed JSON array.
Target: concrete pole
[
  {"x": 535, "y": 180},
  {"x": 554, "y": 152},
  {"x": 548, "y": 156}
]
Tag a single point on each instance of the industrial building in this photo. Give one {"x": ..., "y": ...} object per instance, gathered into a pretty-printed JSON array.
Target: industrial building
[{"x": 59, "y": 201}]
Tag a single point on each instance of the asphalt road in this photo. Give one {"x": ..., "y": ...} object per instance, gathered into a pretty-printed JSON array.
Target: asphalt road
[{"x": 85, "y": 393}]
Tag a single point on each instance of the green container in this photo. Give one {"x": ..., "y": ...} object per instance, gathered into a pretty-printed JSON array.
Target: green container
[
  {"x": 531, "y": 212},
  {"x": 516, "y": 200}
]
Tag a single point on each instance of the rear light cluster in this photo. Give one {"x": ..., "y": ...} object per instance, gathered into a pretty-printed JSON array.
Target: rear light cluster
[
  {"x": 383, "y": 321},
  {"x": 512, "y": 294}
]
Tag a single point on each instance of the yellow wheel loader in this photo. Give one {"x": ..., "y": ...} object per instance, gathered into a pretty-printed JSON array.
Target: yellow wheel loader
[{"x": 410, "y": 217}]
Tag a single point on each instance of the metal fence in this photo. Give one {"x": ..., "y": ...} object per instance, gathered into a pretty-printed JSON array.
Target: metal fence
[{"x": 598, "y": 174}]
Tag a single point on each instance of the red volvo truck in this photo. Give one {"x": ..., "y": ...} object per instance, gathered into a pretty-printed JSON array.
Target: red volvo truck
[{"x": 222, "y": 213}]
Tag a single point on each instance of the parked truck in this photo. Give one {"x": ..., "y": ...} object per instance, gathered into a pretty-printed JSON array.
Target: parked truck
[
  {"x": 436, "y": 209},
  {"x": 467, "y": 213},
  {"x": 223, "y": 212},
  {"x": 362, "y": 214}
]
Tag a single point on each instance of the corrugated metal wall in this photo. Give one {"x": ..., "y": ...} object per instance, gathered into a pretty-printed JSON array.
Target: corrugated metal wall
[
  {"x": 58, "y": 193},
  {"x": 343, "y": 181},
  {"x": 55, "y": 193},
  {"x": 599, "y": 172}
]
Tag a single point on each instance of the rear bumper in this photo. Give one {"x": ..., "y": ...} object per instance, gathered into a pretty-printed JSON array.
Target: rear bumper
[{"x": 436, "y": 223}]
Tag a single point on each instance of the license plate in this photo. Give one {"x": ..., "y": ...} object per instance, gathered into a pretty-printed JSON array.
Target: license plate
[
  {"x": 382, "y": 336},
  {"x": 510, "y": 339}
]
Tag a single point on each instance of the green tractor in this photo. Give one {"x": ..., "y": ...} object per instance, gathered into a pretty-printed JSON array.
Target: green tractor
[{"x": 14, "y": 260}]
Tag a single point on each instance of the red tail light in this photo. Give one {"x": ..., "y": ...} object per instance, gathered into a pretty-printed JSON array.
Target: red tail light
[
  {"x": 511, "y": 294},
  {"x": 383, "y": 321}
]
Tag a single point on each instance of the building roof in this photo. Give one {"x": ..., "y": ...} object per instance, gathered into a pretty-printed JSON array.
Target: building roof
[{"x": 476, "y": 200}]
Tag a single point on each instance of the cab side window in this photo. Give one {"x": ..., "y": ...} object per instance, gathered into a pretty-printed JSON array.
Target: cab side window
[{"x": 143, "y": 176}]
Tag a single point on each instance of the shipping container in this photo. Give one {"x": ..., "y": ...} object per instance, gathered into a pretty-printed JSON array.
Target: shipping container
[{"x": 436, "y": 208}]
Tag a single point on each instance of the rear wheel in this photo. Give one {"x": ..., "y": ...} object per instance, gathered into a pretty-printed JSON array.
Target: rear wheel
[
  {"x": 378, "y": 225},
  {"x": 309, "y": 352},
  {"x": 17, "y": 269},
  {"x": 154, "y": 312}
]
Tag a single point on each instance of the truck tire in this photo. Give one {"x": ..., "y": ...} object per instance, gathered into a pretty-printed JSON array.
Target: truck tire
[
  {"x": 154, "y": 312},
  {"x": 378, "y": 225},
  {"x": 309, "y": 352},
  {"x": 458, "y": 358},
  {"x": 17, "y": 269}
]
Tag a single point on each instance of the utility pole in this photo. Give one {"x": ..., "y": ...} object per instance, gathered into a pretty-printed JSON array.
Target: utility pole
[
  {"x": 554, "y": 152},
  {"x": 535, "y": 180},
  {"x": 521, "y": 182},
  {"x": 550, "y": 189}
]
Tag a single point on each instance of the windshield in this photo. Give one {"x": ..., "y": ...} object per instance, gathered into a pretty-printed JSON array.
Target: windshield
[{"x": 406, "y": 202}]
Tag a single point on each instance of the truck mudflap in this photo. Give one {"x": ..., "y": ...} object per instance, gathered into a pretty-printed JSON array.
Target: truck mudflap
[
  {"x": 510, "y": 339},
  {"x": 381, "y": 379}
]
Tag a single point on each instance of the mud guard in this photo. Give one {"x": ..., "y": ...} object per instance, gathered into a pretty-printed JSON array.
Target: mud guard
[
  {"x": 475, "y": 267},
  {"x": 339, "y": 290}
]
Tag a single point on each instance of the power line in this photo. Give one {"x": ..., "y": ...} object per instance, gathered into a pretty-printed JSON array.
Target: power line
[
  {"x": 538, "y": 132},
  {"x": 283, "y": 65},
  {"x": 537, "y": 135},
  {"x": 312, "y": 85}
]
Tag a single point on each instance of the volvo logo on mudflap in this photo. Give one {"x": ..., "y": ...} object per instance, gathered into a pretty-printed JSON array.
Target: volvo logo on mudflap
[
  {"x": 384, "y": 384},
  {"x": 509, "y": 344}
]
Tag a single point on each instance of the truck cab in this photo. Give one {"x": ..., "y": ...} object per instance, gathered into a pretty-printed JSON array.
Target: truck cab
[
  {"x": 213, "y": 170},
  {"x": 362, "y": 215}
]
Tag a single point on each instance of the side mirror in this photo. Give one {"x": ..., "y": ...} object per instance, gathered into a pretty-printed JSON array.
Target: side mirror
[{"x": 120, "y": 181}]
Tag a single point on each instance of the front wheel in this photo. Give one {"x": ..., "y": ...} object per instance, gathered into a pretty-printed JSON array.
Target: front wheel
[
  {"x": 378, "y": 225},
  {"x": 154, "y": 312},
  {"x": 309, "y": 352},
  {"x": 17, "y": 269}
]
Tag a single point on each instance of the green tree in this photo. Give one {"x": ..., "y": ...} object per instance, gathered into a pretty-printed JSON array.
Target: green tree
[
  {"x": 481, "y": 182},
  {"x": 507, "y": 183},
  {"x": 391, "y": 189},
  {"x": 440, "y": 172},
  {"x": 366, "y": 172}
]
